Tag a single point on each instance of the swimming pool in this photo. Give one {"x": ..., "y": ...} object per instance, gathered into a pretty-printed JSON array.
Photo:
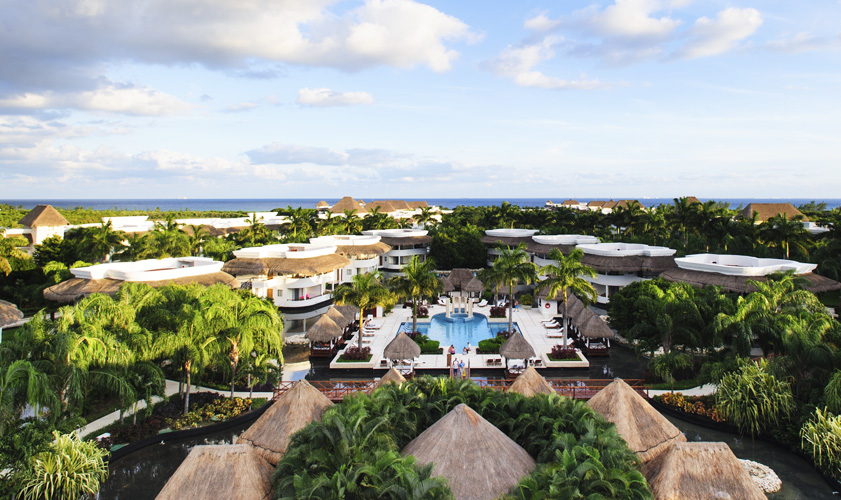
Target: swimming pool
[{"x": 458, "y": 330}]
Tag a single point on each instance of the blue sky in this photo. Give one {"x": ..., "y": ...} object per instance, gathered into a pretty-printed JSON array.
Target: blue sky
[{"x": 403, "y": 99}]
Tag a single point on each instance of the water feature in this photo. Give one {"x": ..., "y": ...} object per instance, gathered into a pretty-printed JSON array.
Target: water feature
[{"x": 458, "y": 329}]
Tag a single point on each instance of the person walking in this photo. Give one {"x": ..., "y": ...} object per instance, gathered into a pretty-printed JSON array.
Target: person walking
[
  {"x": 450, "y": 353},
  {"x": 454, "y": 370},
  {"x": 461, "y": 368}
]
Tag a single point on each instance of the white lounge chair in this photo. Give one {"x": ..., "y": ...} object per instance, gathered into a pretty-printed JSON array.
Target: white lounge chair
[
  {"x": 482, "y": 303},
  {"x": 442, "y": 301}
]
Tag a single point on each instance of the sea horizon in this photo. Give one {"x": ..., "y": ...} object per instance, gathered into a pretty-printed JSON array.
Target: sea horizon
[{"x": 268, "y": 204}]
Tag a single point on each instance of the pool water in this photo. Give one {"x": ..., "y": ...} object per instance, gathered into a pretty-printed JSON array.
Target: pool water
[{"x": 458, "y": 330}]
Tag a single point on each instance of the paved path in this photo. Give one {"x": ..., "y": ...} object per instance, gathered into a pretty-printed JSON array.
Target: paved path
[{"x": 703, "y": 390}]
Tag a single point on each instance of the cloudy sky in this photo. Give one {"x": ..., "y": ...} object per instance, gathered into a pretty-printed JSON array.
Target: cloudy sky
[{"x": 403, "y": 99}]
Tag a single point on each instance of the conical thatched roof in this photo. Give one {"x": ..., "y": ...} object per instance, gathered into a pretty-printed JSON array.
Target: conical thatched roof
[
  {"x": 447, "y": 285},
  {"x": 700, "y": 471},
  {"x": 516, "y": 347},
  {"x": 767, "y": 211},
  {"x": 9, "y": 313},
  {"x": 336, "y": 315},
  {"x": 530, "y": 383},
  {"x": 348, "y": 203},
  {"x": 291, "y": 412},
  {"x": 384, "y": 205},
  {"x": 43, "y": 215},
  {"x": 595, "y": 328},
  {"x": 348, "y": 311},
  {"x": 281, "y": 266},
  {"x": 402, "y": 347},
  {"x": 322, "y": 204},
  {"x": 646, "y": 431},
  {"x": 391, "y": 377},
  {"x": 478, "y": 460},
  {"x": 417, "y": 204},
  {"x": 473, "y": 286},
  {"x": 460, "y": 277},
  {"x": 218, "y": 471},
  {"x": 574, "y": 307},
  {"x": 324, "y": 330},
  {"x": 77, "y": 288}
]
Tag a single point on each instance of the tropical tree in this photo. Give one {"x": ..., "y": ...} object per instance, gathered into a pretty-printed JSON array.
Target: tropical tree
[
  {"x": 351, "y": 223},
  {"x": 671, "y": 317},
  {"x": 71, "y": 469},
  {"x": 753, "y": 399},
  {"x": 21, "y": 383},
  {"x": 298, "y": 222},
  {"x": 197, "y": 235},
  {"x": 566, "y": 276},
  {"x": 666, "y": 364},
  {"x": 255, "y": 234},
  {"x": 169, "y": 239},
  {"x": 510, "y": 268},
  {"x": 417, "y": 280},
  {"x": 100, "y": 241},
  {"x": 220, "y": 249},
  {"x": 786, "y": 234},
  {"x": 426, "y": 217},
  {"x": 364, "y": 291},
  {"x": 821, "y": 439}
]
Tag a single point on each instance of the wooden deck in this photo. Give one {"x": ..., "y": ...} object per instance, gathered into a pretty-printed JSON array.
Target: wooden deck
[{"x": 336, "y": 390}]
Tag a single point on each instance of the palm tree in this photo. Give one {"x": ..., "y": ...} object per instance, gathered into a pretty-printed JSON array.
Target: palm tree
[
  {"x": 100, "y": 241},
  {"x": 299, "y": 221},
  {"x": 785, "y": 233},
  {"x": 364, "y": 291},
  {"x": 22, "y": 383},
  {"x": 426, "y": 217},
  {"x": 566, "y": 276},
  {"x": 170, "y": 240},
  {"x": 9, "y": 250},
  {"x": 351, "y": 224},
  {"x": 197, "y": 236},
  {"x": 70, "y": 469},
  {"x": 511, "y": 268},
  {"x": 416, "y": 281}
]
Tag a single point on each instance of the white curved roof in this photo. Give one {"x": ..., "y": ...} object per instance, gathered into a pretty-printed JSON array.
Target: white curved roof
[
  {"x": 740, "y": 265},
  {"x": 511, "y": 233},
  {"x": 625, "y": 250},
  {"x": 564, "y": 239},
  {"x": 286, "y": 251},
  {"x": 345, "y": 240},
  {"x": 396, "y": 233},
  {"x": 150, "y": 269}
]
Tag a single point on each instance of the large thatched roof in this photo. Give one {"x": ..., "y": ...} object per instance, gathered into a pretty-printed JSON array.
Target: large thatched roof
[
  {"x": 348, "y": 311},
  {"x": 377, "y": 248},
  {"x": 479, "y": 461},
  {"x": 516, "y": 347},
  {"x": 739, "y": 284},
  {"x": 77, "y": 288},
  {"x": 511, "y": 241},
  {"x": 530, "y": 383},
  {"x": 337, "y": 316},
  {"x": 322, "y": 204},
  {"x": 646, "y": 431},
  {"x": 418, "y": 204},
  {"x": 9, "y": 313},
  {"x": 473, "y": 286},
  {"x": 43, "y": 215},
  {"x": 220, "y": 471},
  {"x": 544, "y": 249},
  {"x": 402, "y": 347},
  {"x": 281, "y": 266},
  {"x": 407, "y": 240},
  {"x": 460, "y": 277},
  {"x": 392, "y": 376},
  {"x": 324, "y": 330},
  {"x": 700, "y": 471},
  {"x": 348, "y": 203},
  {"x": 447, "y": 285},
  {"x": 291, "y": 412},
  {"x": 595, "y": 327},
  {"x": 767, "y": 211},
  {"x": 649, "y": 266},
  {"x": 384, "y": 205}
]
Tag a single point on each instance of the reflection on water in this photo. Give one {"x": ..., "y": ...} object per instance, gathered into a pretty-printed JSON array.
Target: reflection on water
[
  {"x": 141, "y": 475},
  {"x": 800, "y": 481}
]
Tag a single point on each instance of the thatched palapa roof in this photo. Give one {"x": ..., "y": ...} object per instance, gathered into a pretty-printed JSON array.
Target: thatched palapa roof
[
  {"x": 507, "y": 241},
  {"x": 282, "y": 266},
  {"x": 392, "y": 376},
  {"x": 402, "y": 347},
  {"x": 408, "y": 240},
  {"x": 530, "y": 383},
  {"x": 9, "y": 313},
  {"x": 324, "y": 330},
  {"x": 322, "y": 204},
  {"x": 348, "y": 311},
  {"x": 446, "y": 284},
  {"x": 478, "y": 460},
  {"x": 418, "y": 204},
  {"x": 400, "y": 204},
  {"x": 739, "y": 284},
  {"x": 336, "y": 315},
  {"x": 348, "y": 203},
  {"x": 595, "y": 327},
  {"x": 291, "y": 412},
  {"x": 516, "y": 347},
  {"x": 460, "y": 277},
  {"x": 377, "y": 248},
  {"x": 43, "y": 215},
  {"x": 220, "y": 471},
  {"x": 544, "y": 249},
  {"x": 473, "y": 286},
  {"x": 766, "y": 211},
  {"x": 385, "y": 206},
  {"x": 629, "y": 263},
  {"x": 77, "y": 288},
  {"x": 646, "y": 431},
  {"x": 700, "y": 471}
]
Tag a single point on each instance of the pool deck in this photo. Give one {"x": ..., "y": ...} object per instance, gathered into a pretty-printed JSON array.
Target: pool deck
[{"x": 529, "y": 321}]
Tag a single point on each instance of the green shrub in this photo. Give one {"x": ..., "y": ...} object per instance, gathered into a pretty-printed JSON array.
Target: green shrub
[
  {"x": 491, "y": 346},
  {"x": 821, "y": 440},
  {"x": 217, "y": 411},
  {"x": 526, "y": 299},
  {"x": 753, "y": 399},
  {"x": 430, "y": 347}
]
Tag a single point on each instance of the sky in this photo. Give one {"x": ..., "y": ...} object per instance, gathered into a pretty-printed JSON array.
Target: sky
[{"x": 409, "y": 99}]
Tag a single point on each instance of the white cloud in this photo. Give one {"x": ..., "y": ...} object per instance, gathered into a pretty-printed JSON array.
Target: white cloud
[
  {"x": 803, "y": 42},
  {"x": 326, "y": 97},
  {"x": 282, "y": 154},
  {"x": 632, "y": 18},
  {"x": 240, "y": 107},
  {"x": 541, "y": 22},
  {"x": 517, "y": 63},
  {"x": 710, "y": 37},
  {"x": 112, "y": 98}
]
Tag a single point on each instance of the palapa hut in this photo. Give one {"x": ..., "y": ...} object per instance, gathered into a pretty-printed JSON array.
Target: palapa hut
[
  {"x": 324, "y": 336},
  {"x": 340, "y": 319},
  {"x": 516, "y": 347},
  {"x": 218, "y": 471},
  {"x": 447, "y": 285},
  {"x": 349, "y": 312},
  {"x": 596, "y": 335},
  {"x": 646, "y": 431},
  {"x": 291, "y": 412},
  {"x": 478, "y": 460},
  {"x": 392, "y": 376},
  {"x": 400, "y": 350},
  {"x": 700, "y": 471},
  {"x": 530, "y": 383},
  {"x": 348, "y": 203},
  {"x": 9, "y": 314}
]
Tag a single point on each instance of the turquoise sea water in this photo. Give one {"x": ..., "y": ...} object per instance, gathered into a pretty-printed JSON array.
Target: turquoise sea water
[{"x": 262, "y": 205}]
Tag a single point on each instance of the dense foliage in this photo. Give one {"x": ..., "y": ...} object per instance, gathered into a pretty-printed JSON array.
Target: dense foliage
[
  {"x": 354, "y": 451},
  {"x": 821, "y": 440}
]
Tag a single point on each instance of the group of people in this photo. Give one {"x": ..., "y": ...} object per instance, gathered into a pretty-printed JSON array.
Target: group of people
[{"x": 458, "y": 368}]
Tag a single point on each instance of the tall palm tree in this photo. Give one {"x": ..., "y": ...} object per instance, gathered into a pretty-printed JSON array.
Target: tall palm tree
[
  {"x": 786, "y": 233},
  {"x": 416, "y": 281},
  {"x": 566, "y": 276},
  {"x": 352, "y": 223},
  {"x": 511, "y": 268},
  {"x": 170, "y": 240},
  {"x": 196, "y": 238},
  {"x": 426, "y": 217},
  {"x": 299, "y": 222},
  {"x": 100, "y": 241},
  {"x": 22, "y": 383},
  {"x": 364, "y": 291}
]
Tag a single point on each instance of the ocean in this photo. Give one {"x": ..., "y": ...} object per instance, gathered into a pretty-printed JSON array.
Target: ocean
[{"x": 265, "y": 204}]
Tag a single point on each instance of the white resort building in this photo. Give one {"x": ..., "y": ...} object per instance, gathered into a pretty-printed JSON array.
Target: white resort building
[
  {"x": 404, "y": 244},
  {"x": 39, "y": 224}
]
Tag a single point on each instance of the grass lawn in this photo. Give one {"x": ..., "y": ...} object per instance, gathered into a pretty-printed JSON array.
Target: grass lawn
[
  {"x": 679, "y": 385},
  {"x": 343, "y": 360}
]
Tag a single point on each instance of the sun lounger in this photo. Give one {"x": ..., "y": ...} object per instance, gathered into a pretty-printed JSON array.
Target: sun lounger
[
  {"x": 482, "y": 303},
  {"x": 442, "y": 301}
]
